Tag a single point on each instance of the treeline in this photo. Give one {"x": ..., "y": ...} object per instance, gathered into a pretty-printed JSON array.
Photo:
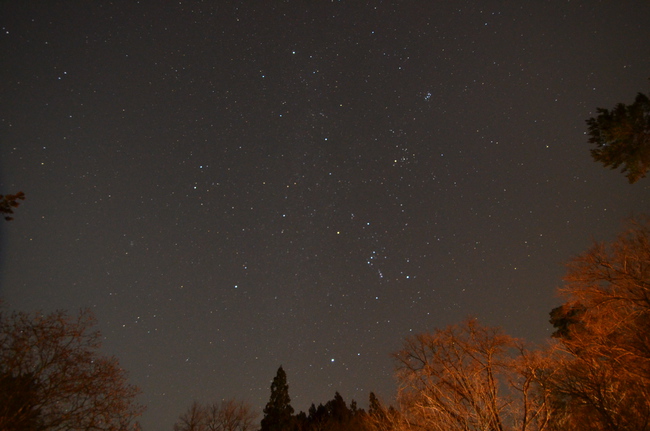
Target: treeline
[
  {"x": 593, "y": 375},
  {"x": 334, "y": 415}
]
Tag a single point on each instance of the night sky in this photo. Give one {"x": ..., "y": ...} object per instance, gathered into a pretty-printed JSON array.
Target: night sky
[{"x": 232, "y": 186}]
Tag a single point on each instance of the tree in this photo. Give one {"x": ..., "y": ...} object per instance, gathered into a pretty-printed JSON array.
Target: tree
[
  {"x": 335, "y": 415},
  {"x": 470, "y": 377},
  {"x": 622, "y": 137},
  {"x": 338, "y": 409},
  {"x": 227, "y": 415},
  {"x": 53, "y": 378},
  {"x": 193, "y": 419},
  {"x": 381, "y": 418},
  {"x": 602, "y": 378},
  {"x": 278, "y": 411},
  {"x": 231, "y": 415},
  {"x": 9, "y": 202},
  {"x": 18, "y": 398},
  {"x": 317, "y": 419},
  {"x": 564, "y": 317}
]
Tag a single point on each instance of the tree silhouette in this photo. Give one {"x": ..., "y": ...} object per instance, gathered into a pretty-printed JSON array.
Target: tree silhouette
[
  {"x": 9, "y": 202},
  {"x": 20, "y": 402},
  {"x": 622, "y": 137},
  {"x": 52, "y": 377},
  {"x": 278, "y": 413},
  {"x": 338, "y": 409},
  {"x": 227, "y": 415}
]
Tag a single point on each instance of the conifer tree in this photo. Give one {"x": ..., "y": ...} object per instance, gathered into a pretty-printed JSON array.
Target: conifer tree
[
  {"x": 622, "y": 137},
  {"x": 278, "y": 413}
]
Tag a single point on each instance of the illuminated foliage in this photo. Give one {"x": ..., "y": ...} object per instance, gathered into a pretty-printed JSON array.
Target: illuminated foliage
[{"x": 382, "y": 418}]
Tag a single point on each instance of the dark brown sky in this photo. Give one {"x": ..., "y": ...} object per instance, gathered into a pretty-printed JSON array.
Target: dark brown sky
[{"x": 232, "y": 186}]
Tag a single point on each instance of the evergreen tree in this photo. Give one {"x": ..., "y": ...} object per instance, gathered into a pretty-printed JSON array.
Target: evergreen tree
[
  {"x": 278, "y": 413},
  {"x": 338, "y": 410},
  {"x": 353, "y": 407},
  {"x": 622, "y": 137},
  {"x": 374, "y": 406}
]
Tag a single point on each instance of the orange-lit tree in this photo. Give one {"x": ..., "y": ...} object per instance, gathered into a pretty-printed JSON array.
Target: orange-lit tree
[
  {"x": 382, "y": 418},
  {"x": 602, "y": 380},
  {"x": 470, "y": 377},
  {"x": 52, "y": 376}
]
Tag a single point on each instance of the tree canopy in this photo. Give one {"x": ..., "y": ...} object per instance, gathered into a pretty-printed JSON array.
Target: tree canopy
[
  {"x": 52, "y": 376},
  {"x": 601, "y": 375},
  {"x": 622, "y": 137},
  {"x": 469, "y": 377}
]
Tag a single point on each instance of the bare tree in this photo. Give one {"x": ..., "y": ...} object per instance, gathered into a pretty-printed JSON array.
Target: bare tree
[
  {"x": 53, "y": 378},
  {"x": 603, "y": 378},
  {"x": 470, "y": 377},
  {"x": 227, "y": 415},
  {"x": 193, "y": 419},
  {"x": 231, "y": 415}
]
